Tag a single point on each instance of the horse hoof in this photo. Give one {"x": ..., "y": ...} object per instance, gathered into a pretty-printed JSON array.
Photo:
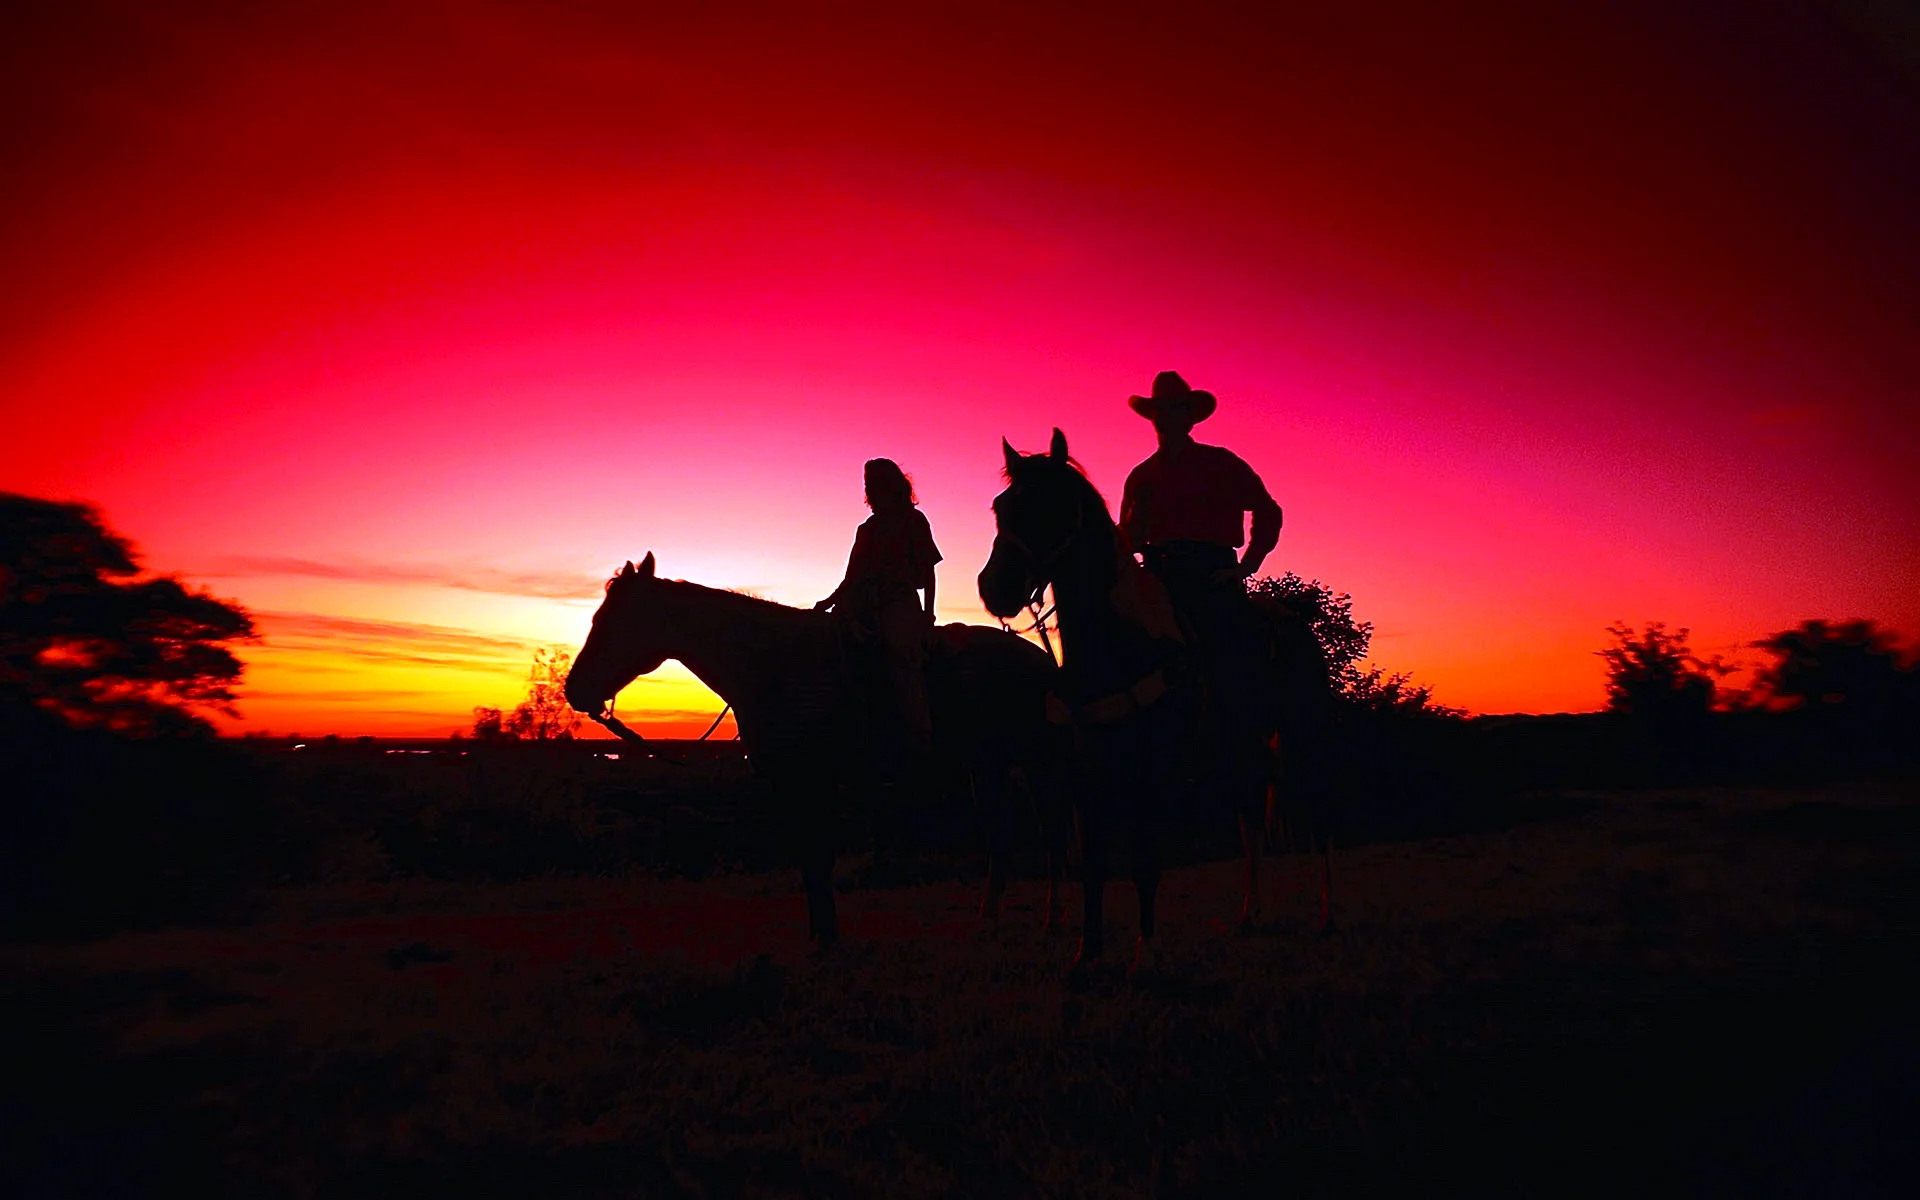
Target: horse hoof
[{"x": 1248, "y": 927}]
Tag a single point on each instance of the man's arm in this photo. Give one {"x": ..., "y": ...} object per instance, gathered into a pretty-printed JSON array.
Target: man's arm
[
  {"x": 1265, "y": 535},
  {"x": 1266, "y": 522},
  {"x": 1132, "y": 519}
]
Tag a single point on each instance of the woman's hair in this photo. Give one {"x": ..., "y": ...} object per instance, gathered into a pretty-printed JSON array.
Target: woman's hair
[{"x": 888, "y": 486}]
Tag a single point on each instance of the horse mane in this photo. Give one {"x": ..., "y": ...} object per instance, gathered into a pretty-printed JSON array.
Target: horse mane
[
  {"x": 1139, "y": 599},
  {"x": 743, "y": 599},
  {"x": 1075, "y": 477}
]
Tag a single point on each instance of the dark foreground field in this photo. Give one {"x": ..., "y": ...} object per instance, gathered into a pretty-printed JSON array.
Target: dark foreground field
[{"x": 1704, "y": 991}]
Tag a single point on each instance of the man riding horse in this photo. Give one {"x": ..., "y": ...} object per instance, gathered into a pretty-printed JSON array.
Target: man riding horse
[{"x": 1184, "y": 509}]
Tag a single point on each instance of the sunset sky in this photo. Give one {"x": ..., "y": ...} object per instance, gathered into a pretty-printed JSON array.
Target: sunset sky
[{"x": 405, "y": 331}]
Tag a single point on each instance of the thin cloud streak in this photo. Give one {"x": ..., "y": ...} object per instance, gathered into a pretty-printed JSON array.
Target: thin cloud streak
[
  {"x": 447, "y": 639},
  {"x": 354, "y": 696},
  {"x": 539, "y": 585},
  {"x": 300, "y": 638},
  {"x": 297, "y": 635}
]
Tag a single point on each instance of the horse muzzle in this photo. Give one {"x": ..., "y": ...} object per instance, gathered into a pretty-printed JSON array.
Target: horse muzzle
[
  {"x": 1005, "y": 582},
  {"x": 581, "y": 699},
  {"x": 1001, "y": 596}
]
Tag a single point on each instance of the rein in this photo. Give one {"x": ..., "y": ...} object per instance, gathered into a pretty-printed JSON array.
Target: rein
[
  {"x": 618, "y": 728},
  {"x": 1039, "y": 621},
  {"x": 1043, "y": 568},
  {"x": 1142, "y": 694}
]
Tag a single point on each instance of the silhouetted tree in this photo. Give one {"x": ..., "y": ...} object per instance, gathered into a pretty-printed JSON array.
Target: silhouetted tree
[
  {"x": 1377, "y": 691},
  {"x": 1330, "y": 615},
  {"x": 1654, "y": 675},
  {"x": 1849, "y": 681},
  {"x": 84, "y": 638},
  {"x": 545, "y": 714},
  {"x": 1849, "y": 664},
  {"x": 488, "y": 726},
  {"x": 1345, "y": 642}
]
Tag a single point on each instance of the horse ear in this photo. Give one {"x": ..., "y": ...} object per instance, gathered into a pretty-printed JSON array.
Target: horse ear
[
  {"x": 646, "y": 566},
  {"x": 628, "y": 569},
  {"x": 1058, "y": 449},
  {"x": 1013, "y": 456}
]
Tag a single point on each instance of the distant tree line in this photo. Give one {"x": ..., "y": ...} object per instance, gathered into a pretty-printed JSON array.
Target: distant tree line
[{"x": 1853, "y": 670}]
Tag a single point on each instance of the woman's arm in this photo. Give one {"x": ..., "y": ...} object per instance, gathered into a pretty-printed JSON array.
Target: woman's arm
[{"x": 853, "y": 560}]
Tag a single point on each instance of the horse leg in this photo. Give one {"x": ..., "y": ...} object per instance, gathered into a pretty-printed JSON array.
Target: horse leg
[
  {"x": 817, "y": 851},
  {"x": 1279, "y": 837},
  {"x": 822, "y": 919},
  {"x": 1250, "y": 834},
  {"x": 794, "y": 815},
  {"x": 1093, "y": 879},
  {"x": 1056, "y": 916},
  {"x": 1277, "y": 840},
  {"x": 989, "y": 797},
  {"x": 809, "y": 888},
  {"x": 1146, "y": 890},
  {"x": 1044, "y": 801},
  {"x": 1326, "y": 883},
  {"x": 1254, "y": 788}
]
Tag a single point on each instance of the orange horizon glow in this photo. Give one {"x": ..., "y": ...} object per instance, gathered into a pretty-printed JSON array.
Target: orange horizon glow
[{"x": 406, "y": 333}]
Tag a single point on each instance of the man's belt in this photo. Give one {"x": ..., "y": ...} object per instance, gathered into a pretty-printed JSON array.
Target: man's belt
[{"x": 1189, "y": 556}]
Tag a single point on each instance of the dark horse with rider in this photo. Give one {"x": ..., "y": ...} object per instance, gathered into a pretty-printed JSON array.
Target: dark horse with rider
[{"x": 1173, "y": 685}]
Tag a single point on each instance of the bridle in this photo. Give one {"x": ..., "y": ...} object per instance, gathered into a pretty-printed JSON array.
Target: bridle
[
  {"x": 614, "y": 725},
  {"x": 606, "y": 719},
  {"x": 618, "y": 728},
  {"x": 1043, "y": 571},
  {"x": 1141, "y": 694}
]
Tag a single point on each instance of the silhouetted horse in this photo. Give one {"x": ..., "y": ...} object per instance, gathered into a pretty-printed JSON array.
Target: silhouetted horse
[
  {"x": 793, "y": 677},
  {"x": 1130, "y": 692}
]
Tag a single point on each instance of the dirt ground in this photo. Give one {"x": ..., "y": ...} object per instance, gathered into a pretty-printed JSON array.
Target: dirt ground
[{"x": 1700, "y": 992}]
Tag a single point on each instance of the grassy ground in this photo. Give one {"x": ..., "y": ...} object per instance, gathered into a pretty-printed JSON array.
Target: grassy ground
[{"x": 1680, "y": 991}]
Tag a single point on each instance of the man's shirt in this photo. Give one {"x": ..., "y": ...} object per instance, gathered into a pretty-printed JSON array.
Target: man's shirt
[{"x": 1202, "y": 495}]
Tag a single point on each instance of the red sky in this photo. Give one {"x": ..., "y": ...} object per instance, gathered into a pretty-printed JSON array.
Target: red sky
[{"x": 405, "y": 331}]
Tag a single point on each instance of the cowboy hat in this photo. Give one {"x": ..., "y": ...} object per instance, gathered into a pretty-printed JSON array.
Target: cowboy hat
[{"x": 1171, "y": 393}]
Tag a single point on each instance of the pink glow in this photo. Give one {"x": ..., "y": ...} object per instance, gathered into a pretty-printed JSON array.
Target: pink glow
[{"x": 441, "y": 344}]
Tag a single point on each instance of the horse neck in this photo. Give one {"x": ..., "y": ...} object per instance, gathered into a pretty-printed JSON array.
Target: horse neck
[
  {"x": 730, "y": 642},
  {"x": 1092, "y": 633}
]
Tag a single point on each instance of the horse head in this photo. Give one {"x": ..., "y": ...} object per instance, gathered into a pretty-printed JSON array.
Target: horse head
[
  {"x": 622, "y": 644},
  {"x": 1037, "y": 520}
]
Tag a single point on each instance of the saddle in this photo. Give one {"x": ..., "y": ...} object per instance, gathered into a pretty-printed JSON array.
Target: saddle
[
  {"x": 1142, "y": 600},
  {"x": 868, "y": 674},
  {"x": 1140, "y": 597}
]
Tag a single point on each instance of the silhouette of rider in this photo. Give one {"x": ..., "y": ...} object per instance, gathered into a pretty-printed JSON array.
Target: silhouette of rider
[
  {"x": 1185, "y": 509},
  {"x": 892, "y": 560}
]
